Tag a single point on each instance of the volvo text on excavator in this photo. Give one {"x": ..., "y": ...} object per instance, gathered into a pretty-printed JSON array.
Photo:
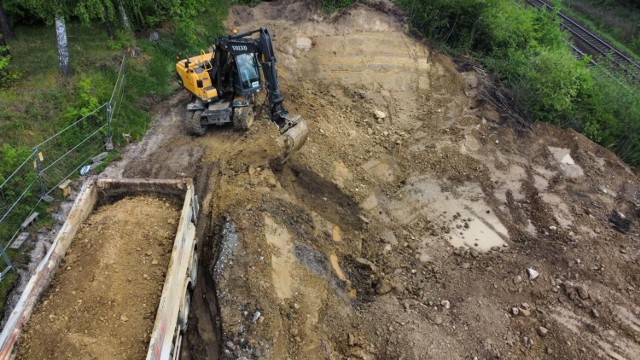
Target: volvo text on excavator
[{"x": 224, "y": 83}]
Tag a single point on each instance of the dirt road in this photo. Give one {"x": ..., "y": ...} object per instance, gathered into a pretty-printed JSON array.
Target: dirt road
[{"x": 405, "y": 227}]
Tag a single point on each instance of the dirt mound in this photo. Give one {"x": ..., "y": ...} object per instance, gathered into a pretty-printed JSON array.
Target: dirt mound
[
  {"x": 103, "y": 299},
  {"x": 406, "y": 225}
]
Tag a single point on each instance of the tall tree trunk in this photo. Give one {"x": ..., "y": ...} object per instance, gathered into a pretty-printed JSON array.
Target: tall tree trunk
[
  {"x": 123, "y": 16},
  {"x": 5, "y": 29},
  {"x": 63, "y": 46},
  {"x": 110, "y": 29}
]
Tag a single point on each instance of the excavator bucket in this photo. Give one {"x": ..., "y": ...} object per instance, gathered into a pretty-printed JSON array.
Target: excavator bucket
[{"x": 294, "y": 136}]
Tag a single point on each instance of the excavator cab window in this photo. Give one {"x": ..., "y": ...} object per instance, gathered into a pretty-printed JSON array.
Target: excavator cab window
[{"x": 248, "y": 73}]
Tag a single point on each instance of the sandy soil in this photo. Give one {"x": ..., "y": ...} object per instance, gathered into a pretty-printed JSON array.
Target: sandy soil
[
  {"x": 102, "y": 301},
  {"x": 405, "y": 227}
]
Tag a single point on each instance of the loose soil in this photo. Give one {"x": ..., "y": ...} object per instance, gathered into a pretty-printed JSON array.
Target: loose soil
[
  {"x": 405, "y": 226},
  {"x": 103, "y": 298}
]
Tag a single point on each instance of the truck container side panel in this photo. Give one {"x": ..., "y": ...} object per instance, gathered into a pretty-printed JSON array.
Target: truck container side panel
[{"x": 175, "y": 286}]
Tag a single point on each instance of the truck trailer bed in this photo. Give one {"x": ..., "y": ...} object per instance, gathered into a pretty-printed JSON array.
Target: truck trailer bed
[{"x": 116, "y": 282}]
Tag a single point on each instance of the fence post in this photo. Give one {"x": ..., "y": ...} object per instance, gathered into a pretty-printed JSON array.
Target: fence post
[
  {"x": 38, "y": 167},
  {"x": 109, "y": 142}
]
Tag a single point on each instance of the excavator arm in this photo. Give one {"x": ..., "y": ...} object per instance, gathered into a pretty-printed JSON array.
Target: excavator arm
[{"x": 293, "y": 129}]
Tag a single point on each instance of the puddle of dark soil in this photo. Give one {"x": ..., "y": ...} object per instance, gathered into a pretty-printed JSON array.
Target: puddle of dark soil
[{"x": 319, "y": 194}]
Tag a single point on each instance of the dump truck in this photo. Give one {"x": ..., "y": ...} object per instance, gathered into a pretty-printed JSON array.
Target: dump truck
[{"x": 171, "y": 315}]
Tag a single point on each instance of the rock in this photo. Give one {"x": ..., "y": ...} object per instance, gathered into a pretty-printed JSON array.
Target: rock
[
  {"x": 525, "y": 312},
  {"x": 387, "y": 248},
  {"x": 124, "y": 318},
  {"x": 582, "y": 292},
  {"x": 154, "y": 36},
  {"x": 154, "y": 262},
  {"x": 296, "y": 306},
  {"x": 366, "y": 264},
  {"x": 515, "y": 311},
  {"x": 542, "y": 331},
  {"x": 549, "y": 351},
  {"x": 553, "y": 228},
  {"x": 351, "y": 339},
  {"x": 230, "y": 345},
  {"x": 294, "y": 331},
  {"x": 379, "y": 114},
  {"x": 256, "y": 316},
  {"x": 595, "y": 313},
  {"x": 446, "y": 304},
  {"x": 383, "y": 287},
  {"x": 517, "y": 279},
  {"x": 533, "y": 274},
  {"x": 437, "y": 319}
]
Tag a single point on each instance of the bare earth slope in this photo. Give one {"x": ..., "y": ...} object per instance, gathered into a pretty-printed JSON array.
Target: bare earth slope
[{"x": 405, "y": 226}]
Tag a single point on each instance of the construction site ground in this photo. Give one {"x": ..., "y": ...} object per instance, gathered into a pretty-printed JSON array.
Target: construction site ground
[{"x": 405, "y": 227}]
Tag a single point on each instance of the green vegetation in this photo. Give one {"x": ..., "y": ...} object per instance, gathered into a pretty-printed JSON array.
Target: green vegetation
[
  {"x": 333, "y": 5},
  {"x": 614, "y": 20}
]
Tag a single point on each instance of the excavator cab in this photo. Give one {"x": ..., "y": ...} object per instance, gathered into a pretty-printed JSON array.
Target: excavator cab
[{"x": 248, "y": 75}]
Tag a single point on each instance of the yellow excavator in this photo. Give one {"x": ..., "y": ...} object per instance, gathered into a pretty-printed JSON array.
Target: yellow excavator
[{"x": 224, "y": 82}]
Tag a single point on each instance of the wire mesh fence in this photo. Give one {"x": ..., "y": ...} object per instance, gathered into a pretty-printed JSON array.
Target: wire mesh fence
[{"x": 40, "y": 178}]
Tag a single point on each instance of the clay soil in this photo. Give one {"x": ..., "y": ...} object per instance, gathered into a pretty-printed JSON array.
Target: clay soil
[
  {"x": 405, "y": 226},
  {"x": 103, "y": 299}
]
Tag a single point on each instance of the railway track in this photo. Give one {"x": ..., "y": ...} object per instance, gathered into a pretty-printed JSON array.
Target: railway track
[{"x": 592, "y": 42}]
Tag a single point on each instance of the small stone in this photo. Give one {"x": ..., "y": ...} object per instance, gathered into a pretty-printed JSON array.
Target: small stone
[
  {"x": 387, "y": 248},
  {"x": 525, "y": 312},
  {"x": 379, "y": 114},
  {"x": 296, "y": 306},
  {"x": 549, "y": 351},
  {"x": 542, "y": 331},
  {"x": 533, "y": 274},
  {"x": 437, "y": 319},
  {"x": 294, "y": 331},
  {"x": 446, "y": 304},
  {"x": 517, "y": 279},
  {"x": 582, "y": 292},
  {"x": 553, "y": 228},
  {"x": 256, "y": 316},
  {"x": 366, "y": 264},
  {"x": 595, "y": 313},
  {"x": 230, "y": 345},
  {"x": 145, "y": 276},
  {"x": 515, "y": 311},
  {"x": 123, "y": 318},
  {"x": 351, "y": 339},
  {"x": 154, "y": 262},
  {"x": 466, "y": 265}
]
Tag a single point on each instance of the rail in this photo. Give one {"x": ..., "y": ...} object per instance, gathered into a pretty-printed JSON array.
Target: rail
[{"x": 615, "y": 56}]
